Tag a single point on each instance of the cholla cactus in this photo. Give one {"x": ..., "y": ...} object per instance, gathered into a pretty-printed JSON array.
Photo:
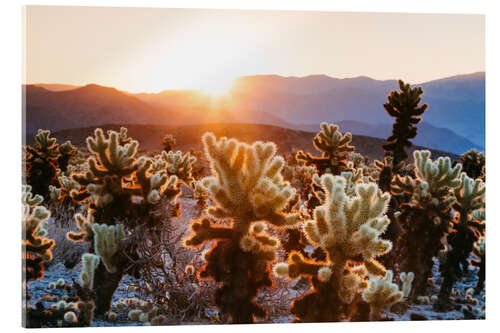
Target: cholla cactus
[
  {"x": 480, "y": 252},
  {"x": 466, "y": 231},
  {"x": 406, "y": 279},
  {"x": 36, "y": 246},
  {"x": 66, "y": 152},
  {"x": 246, "y": 186},
  {"x": 41, "y": 162},
  {"x": 168, "y": 142},
  {"x": 348, "y": 229},
  {"x": 201, "y": 195},
  {"x": 334, "y": 147},
  {"x": 89, "y": 265},
  {"x": 63, "y": 193},
  {"x": 426, "y": 217},
  {"x": 180, "y": 165},
  {"x": 380, "y": 294},
  {"x": 473, "y": 163},
  {"x": 433, "y": 182},
  {"x": 122, "y": 192},
  {"x": 404, "y": 106},
  {"x": 107, "y": 242}
]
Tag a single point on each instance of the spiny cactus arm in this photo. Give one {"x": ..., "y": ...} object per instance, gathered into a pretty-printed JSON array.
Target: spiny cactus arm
[
  {"x": 406, "y": 279},
  {"x": 34, "y": 218},
  {"x": 437, "y": 174},
  {"x": 298, "y": 266},
  {"x": 405, "y": 102},
  {"x": 27, "y": 197},
  {"x": 205, "y": 230},
  {"x": 470, "y": 194},
  {"x": 381, "y": 293},
  {"x": 45, "y": 145},
  {"x": 89, "y": 264},
  {"x": 111, "y": 157},
  {"x": 401, "y": 185},
  {"x": 67, "y": 148},
  {"x": 374, "y": 267},
  {"x": 149, "y": 185},
  {"x": 262, "y": 246},
  {"x": 479, "y": 214},
  {"x": 331, "y": 141},
  {"x": 36, "y": 247},
  {"x": 84, "y": 223},
  {"x": 107, "y": 242},
  {"x": 180, "y": 165},
  {"x": 247, "y": 183}
]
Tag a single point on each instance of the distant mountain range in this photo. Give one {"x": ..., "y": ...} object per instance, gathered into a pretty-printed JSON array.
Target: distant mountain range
[{"x": 453, "y": 122}]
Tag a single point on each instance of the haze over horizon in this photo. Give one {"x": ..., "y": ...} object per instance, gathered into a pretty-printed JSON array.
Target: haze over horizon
[{"x": 156, "y": 49}]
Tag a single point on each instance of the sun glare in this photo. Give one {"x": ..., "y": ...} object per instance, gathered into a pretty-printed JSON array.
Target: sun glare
[{"x": 217, "y": 88}]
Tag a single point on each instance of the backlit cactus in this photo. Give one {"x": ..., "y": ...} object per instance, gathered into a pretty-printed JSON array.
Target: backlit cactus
[
  {"x": 121, "y": 191},
  {"x": 246, "y": 186},
  {"x": 404, "y": 106},
  {"x": 108, "y": 239},
  {"x": 479, "y": 251},
  {"x": 406, "y": 279},
  {"x": 381, "y": 293},
  {"x": 427, "y": 215},
  {"x": 467, "y": 230},
  {"x": 334, "y": 147},
  {"x": 36, "y": 245},
  {"x": 473, "y": 163},
  {"x": 168, "y": 142},
  {"x": 348, "y": 229}
]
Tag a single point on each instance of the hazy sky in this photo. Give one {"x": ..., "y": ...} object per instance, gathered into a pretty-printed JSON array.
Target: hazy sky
[{"x": 155, "y": 49}]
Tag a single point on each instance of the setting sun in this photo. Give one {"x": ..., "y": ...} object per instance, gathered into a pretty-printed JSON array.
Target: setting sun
[{"x": 217, "y": 88}]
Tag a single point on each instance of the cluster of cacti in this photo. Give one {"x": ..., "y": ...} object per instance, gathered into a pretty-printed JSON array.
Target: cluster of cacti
[
  {"x": 347, "y": 228},
  {"x": 121, "y": 191},
  {"x": 246, "y": 187},
  {"x": 404, "y": 106},
  {"x": 334, "y": 228},
  {"x": 334, "y": 147},
  {"x": 43, "y": 160},
  {"x": 74, "y": 310}
]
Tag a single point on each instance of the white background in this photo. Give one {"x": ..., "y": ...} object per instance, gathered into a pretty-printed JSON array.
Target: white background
[{"x": 10, "y": 145}]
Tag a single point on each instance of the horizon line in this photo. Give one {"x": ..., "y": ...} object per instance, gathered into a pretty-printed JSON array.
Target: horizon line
[{"x": 77, "y": 86}]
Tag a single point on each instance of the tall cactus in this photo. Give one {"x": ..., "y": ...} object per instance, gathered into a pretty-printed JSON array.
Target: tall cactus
[
  {"x": 404, "y": 106},
  {"x": 246, "y": 187}
]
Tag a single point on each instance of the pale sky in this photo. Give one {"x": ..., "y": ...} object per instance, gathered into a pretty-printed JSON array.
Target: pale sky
[{"x": 153, "y": 49}]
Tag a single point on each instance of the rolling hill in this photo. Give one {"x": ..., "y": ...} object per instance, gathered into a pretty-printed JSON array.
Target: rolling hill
[{"x": 189, "y": 137}]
